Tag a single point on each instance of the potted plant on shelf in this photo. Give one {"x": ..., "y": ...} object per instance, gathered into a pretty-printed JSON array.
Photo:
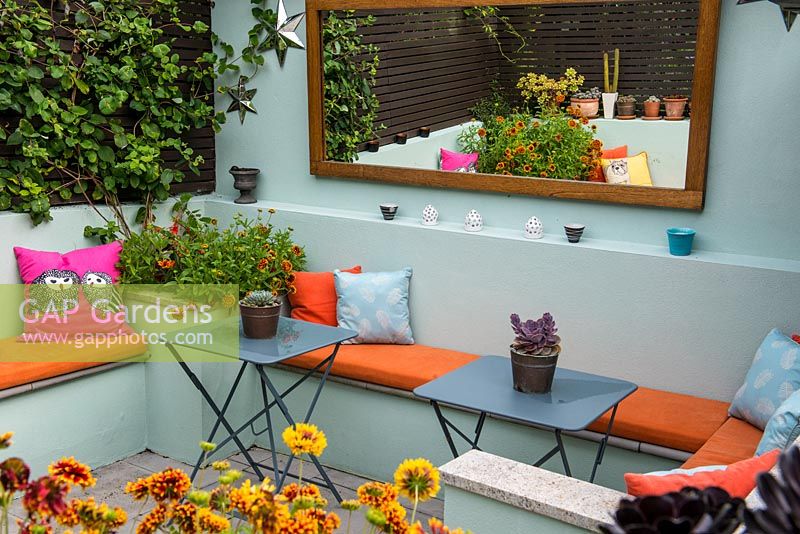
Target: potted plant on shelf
[
  {"x": 652, "y": 108},
  {"x": 534, "y": 353},
  {"x": 675, "y": 106},
  {"x": 610, "y": 95},
  {"x": 588, "y": 102},
  {"x": 626, "y": 107},
  {"x": 260, "y": 312}
]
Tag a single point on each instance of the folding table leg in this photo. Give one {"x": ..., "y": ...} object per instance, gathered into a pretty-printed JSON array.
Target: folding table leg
[
  {"x": 219, "y": 413},
  {"x": 289, "y": 419},
  {"x": 601, "y": 448},
  {"x": 443, "y": 424},
  {"x": 265, "y": 396},
  {"x": 563, "y": 452}
]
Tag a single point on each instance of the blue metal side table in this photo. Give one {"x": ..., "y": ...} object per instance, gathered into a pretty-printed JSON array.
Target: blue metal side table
[
  {"x": 485, "y": 386},
  {"x": 294, "y": 338}
]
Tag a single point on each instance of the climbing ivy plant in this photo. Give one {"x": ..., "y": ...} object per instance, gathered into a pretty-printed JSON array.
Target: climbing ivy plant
[
  {"x": 349, "y": 66},
  {"x": 91, "y": 97}
]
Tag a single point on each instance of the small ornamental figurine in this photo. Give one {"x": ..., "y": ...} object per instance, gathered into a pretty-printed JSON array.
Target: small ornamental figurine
[
  {"x": 473, "y": 222},
  {"x": 534, "y": 229},
  {"x": 430, "y": 217}
]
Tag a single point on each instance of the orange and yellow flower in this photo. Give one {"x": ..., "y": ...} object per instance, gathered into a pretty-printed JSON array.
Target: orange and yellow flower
[
  {"x": 263, "y": 510},
  {"x": 297, "y": 250},
  {"x": 500, "y": 166},
  {"x": 500, "y": 120},
  {"x": 92, "y": 516},
  {"x": 481, "y": 132},
  {"x": 294, "y": 491},
  {"x": 262, "y": 264},
  {"x": 287, "y": 266},
  {"x": 72, "y": 472},
  {"x": 166, "y": 264},
  {"x": 153, "y": 520},
  {"x": 376, "y": 494},
  {"x": 520, "y": 150},
  {"x": 169, "y": 484},
  {"x": 417, "y": 479},
  {"x": 520, "y": 125},
  {"x": 572, "y": 123},
  {"x": 5, "y": 440},
  {"x": 527, "y": 168},
  {"x": 305, "y": 438}
]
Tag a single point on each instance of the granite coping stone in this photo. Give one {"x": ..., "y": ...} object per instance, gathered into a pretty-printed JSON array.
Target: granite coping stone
[{"x": 537, "y": 490}]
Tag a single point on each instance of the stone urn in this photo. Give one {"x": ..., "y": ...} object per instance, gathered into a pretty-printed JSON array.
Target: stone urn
[{"x": 244, "y": 181}]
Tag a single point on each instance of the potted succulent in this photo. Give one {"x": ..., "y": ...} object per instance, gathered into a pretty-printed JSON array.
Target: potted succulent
[
  {"x": 675, "y": 106},
  {"x": 534, "y": 353},
  {"x": 260, "y": 312},
  {"x": 588, "y": 102},
  {"x": 652, "y": 108},
  {"x": 610, "y": 94},
  {"x": 626, "y": 107}
]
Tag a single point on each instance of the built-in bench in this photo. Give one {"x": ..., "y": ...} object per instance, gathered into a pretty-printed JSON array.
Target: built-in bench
[
  {"x": 674, "y": 425},
  {"x": 26, "y": 366}
]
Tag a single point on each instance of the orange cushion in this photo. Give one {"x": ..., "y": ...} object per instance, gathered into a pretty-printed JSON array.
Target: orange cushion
[
  {"x": 398, "y": 366},
  {"x": 315, "y": 299},
  {"x": 611, "y": 153},
  {"x": 668, "y": 419},
  {"x": 738, "y": 479},
  {"x": 23, "y": 363},
  {"x": 735, "y": 440}
]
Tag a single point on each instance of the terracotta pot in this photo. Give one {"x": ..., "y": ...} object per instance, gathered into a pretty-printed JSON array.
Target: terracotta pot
[
  {"x": 401, "y": 138},
  {"x": 652, "y": 109},
  {"x": 424, "y": 132},
  {"x": 373, "y": 146},
  {"x": 626, "y": 109},
  {"x": 260, "y": 323},
  {"x": 675, "y": 107},
  {"x": 533, "y": 374},
  {"x": 589, "y": 106}
]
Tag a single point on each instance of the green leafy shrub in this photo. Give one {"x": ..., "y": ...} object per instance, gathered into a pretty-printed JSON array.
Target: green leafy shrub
[
  {"x": 94, "y": 118},
  {"x": 350, "y": 105},
  {"x": 194, "y": 250}
]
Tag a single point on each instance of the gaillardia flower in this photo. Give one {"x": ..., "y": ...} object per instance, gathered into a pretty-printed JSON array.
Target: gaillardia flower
[
  {"x": 417, "y": 479},
  {"x": 305, "y": 438},
  {"x": 72, "y": 472}
]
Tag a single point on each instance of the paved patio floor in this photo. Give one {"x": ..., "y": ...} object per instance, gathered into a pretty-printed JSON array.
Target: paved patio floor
[{"x": 111, "y": 481}]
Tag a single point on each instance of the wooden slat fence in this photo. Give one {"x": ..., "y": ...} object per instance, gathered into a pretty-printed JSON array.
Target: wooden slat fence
[{"x": 434, "y": 64}]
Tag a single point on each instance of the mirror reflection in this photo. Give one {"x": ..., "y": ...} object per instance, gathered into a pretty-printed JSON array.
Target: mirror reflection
[{"x": 581, "y": 92}]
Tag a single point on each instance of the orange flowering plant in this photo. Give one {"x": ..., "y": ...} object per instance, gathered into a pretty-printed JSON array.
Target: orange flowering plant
[
  {"x": 177, "y": 507},
  {"x": 193, "y": 249}
]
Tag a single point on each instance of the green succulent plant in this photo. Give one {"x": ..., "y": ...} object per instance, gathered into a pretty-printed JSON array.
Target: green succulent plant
[{"x": 260, "y": 299}]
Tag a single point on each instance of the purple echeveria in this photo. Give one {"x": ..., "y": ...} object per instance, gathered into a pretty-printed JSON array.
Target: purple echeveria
[{"x": 535, "y": 336}]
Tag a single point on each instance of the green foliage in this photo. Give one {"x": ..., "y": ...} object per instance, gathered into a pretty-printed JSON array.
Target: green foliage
[
  {"x": 556, "y": 146},
  {"x": 350, "y": 105},
  {"x": 194, "y": 250},
  {"x": 63, "y": 109},
  {"x": 491, "y": 18},
  {"x": 494, "y": 105}
]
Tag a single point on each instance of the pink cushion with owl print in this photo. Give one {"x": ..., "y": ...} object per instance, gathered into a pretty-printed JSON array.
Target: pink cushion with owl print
[
  {"x": 81, "y": 266},
  {"x": 458, "y": 162},
  {"x": 62, "y": 289}
]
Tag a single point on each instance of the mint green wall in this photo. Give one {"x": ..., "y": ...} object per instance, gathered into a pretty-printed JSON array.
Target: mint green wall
[
  {"x": 753, "y": 181},
  {"x": 483, "y": 516},
  {"x": 689, "y": 325},
  {"x": 98, "y": 419}
]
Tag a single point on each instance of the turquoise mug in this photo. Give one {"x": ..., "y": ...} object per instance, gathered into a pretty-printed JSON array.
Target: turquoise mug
[{"x": 680, "y": 241}]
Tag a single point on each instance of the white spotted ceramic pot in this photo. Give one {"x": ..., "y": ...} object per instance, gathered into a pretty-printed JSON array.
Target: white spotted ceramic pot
[
  {"x": 534, "y": 229},
  {"x": 430, "y": 217},
  {"x": 473, "y": 222}
]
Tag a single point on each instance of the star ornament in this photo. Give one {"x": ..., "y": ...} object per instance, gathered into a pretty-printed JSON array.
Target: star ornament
[
  {"x": 790, "y": 9},
  {"x": 285, "y": 32},
  {"x": 242, "y": 99}
]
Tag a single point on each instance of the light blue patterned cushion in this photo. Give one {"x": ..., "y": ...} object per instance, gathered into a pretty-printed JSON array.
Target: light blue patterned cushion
[
  {"x": 772, "y": 378},
  {"x": 783, "y": 427},
  {"x": 375, "y": 305}
]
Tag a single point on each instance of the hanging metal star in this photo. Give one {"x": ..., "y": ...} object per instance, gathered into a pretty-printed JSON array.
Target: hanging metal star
[
  {"x": 790, "y": 9},
  {"x": 285, "y": 35},
  {"x": 242, "y": 99}
]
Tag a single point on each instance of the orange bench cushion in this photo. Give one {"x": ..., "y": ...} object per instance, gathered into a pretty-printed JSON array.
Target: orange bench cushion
[
  {"x": 734, "y": 441},
  {"x": 398, "y": 366},
  {"x": 23, "y": 363},
  {"x": 668, "y": 419}
]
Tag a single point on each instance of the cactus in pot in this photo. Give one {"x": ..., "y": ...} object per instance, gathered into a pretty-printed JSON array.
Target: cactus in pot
[
  {"x": 534, "y": 353},
  {"x": 260, "y": 312},
  {"x": 610, "y": 94}
]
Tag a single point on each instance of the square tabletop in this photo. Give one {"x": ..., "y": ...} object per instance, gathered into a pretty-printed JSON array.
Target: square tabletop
[
  {"x": 294, "y": 338},
  {"x": 576, "y": 400}
]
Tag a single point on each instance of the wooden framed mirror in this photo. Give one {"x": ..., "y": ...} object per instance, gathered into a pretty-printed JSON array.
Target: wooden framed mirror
[{"x": 439, "y": 63}]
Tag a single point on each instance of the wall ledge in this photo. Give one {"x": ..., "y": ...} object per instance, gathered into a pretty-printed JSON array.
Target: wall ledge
[
  {"x": 559, "y": 239},
  {"x": 536, "y": 490}
]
